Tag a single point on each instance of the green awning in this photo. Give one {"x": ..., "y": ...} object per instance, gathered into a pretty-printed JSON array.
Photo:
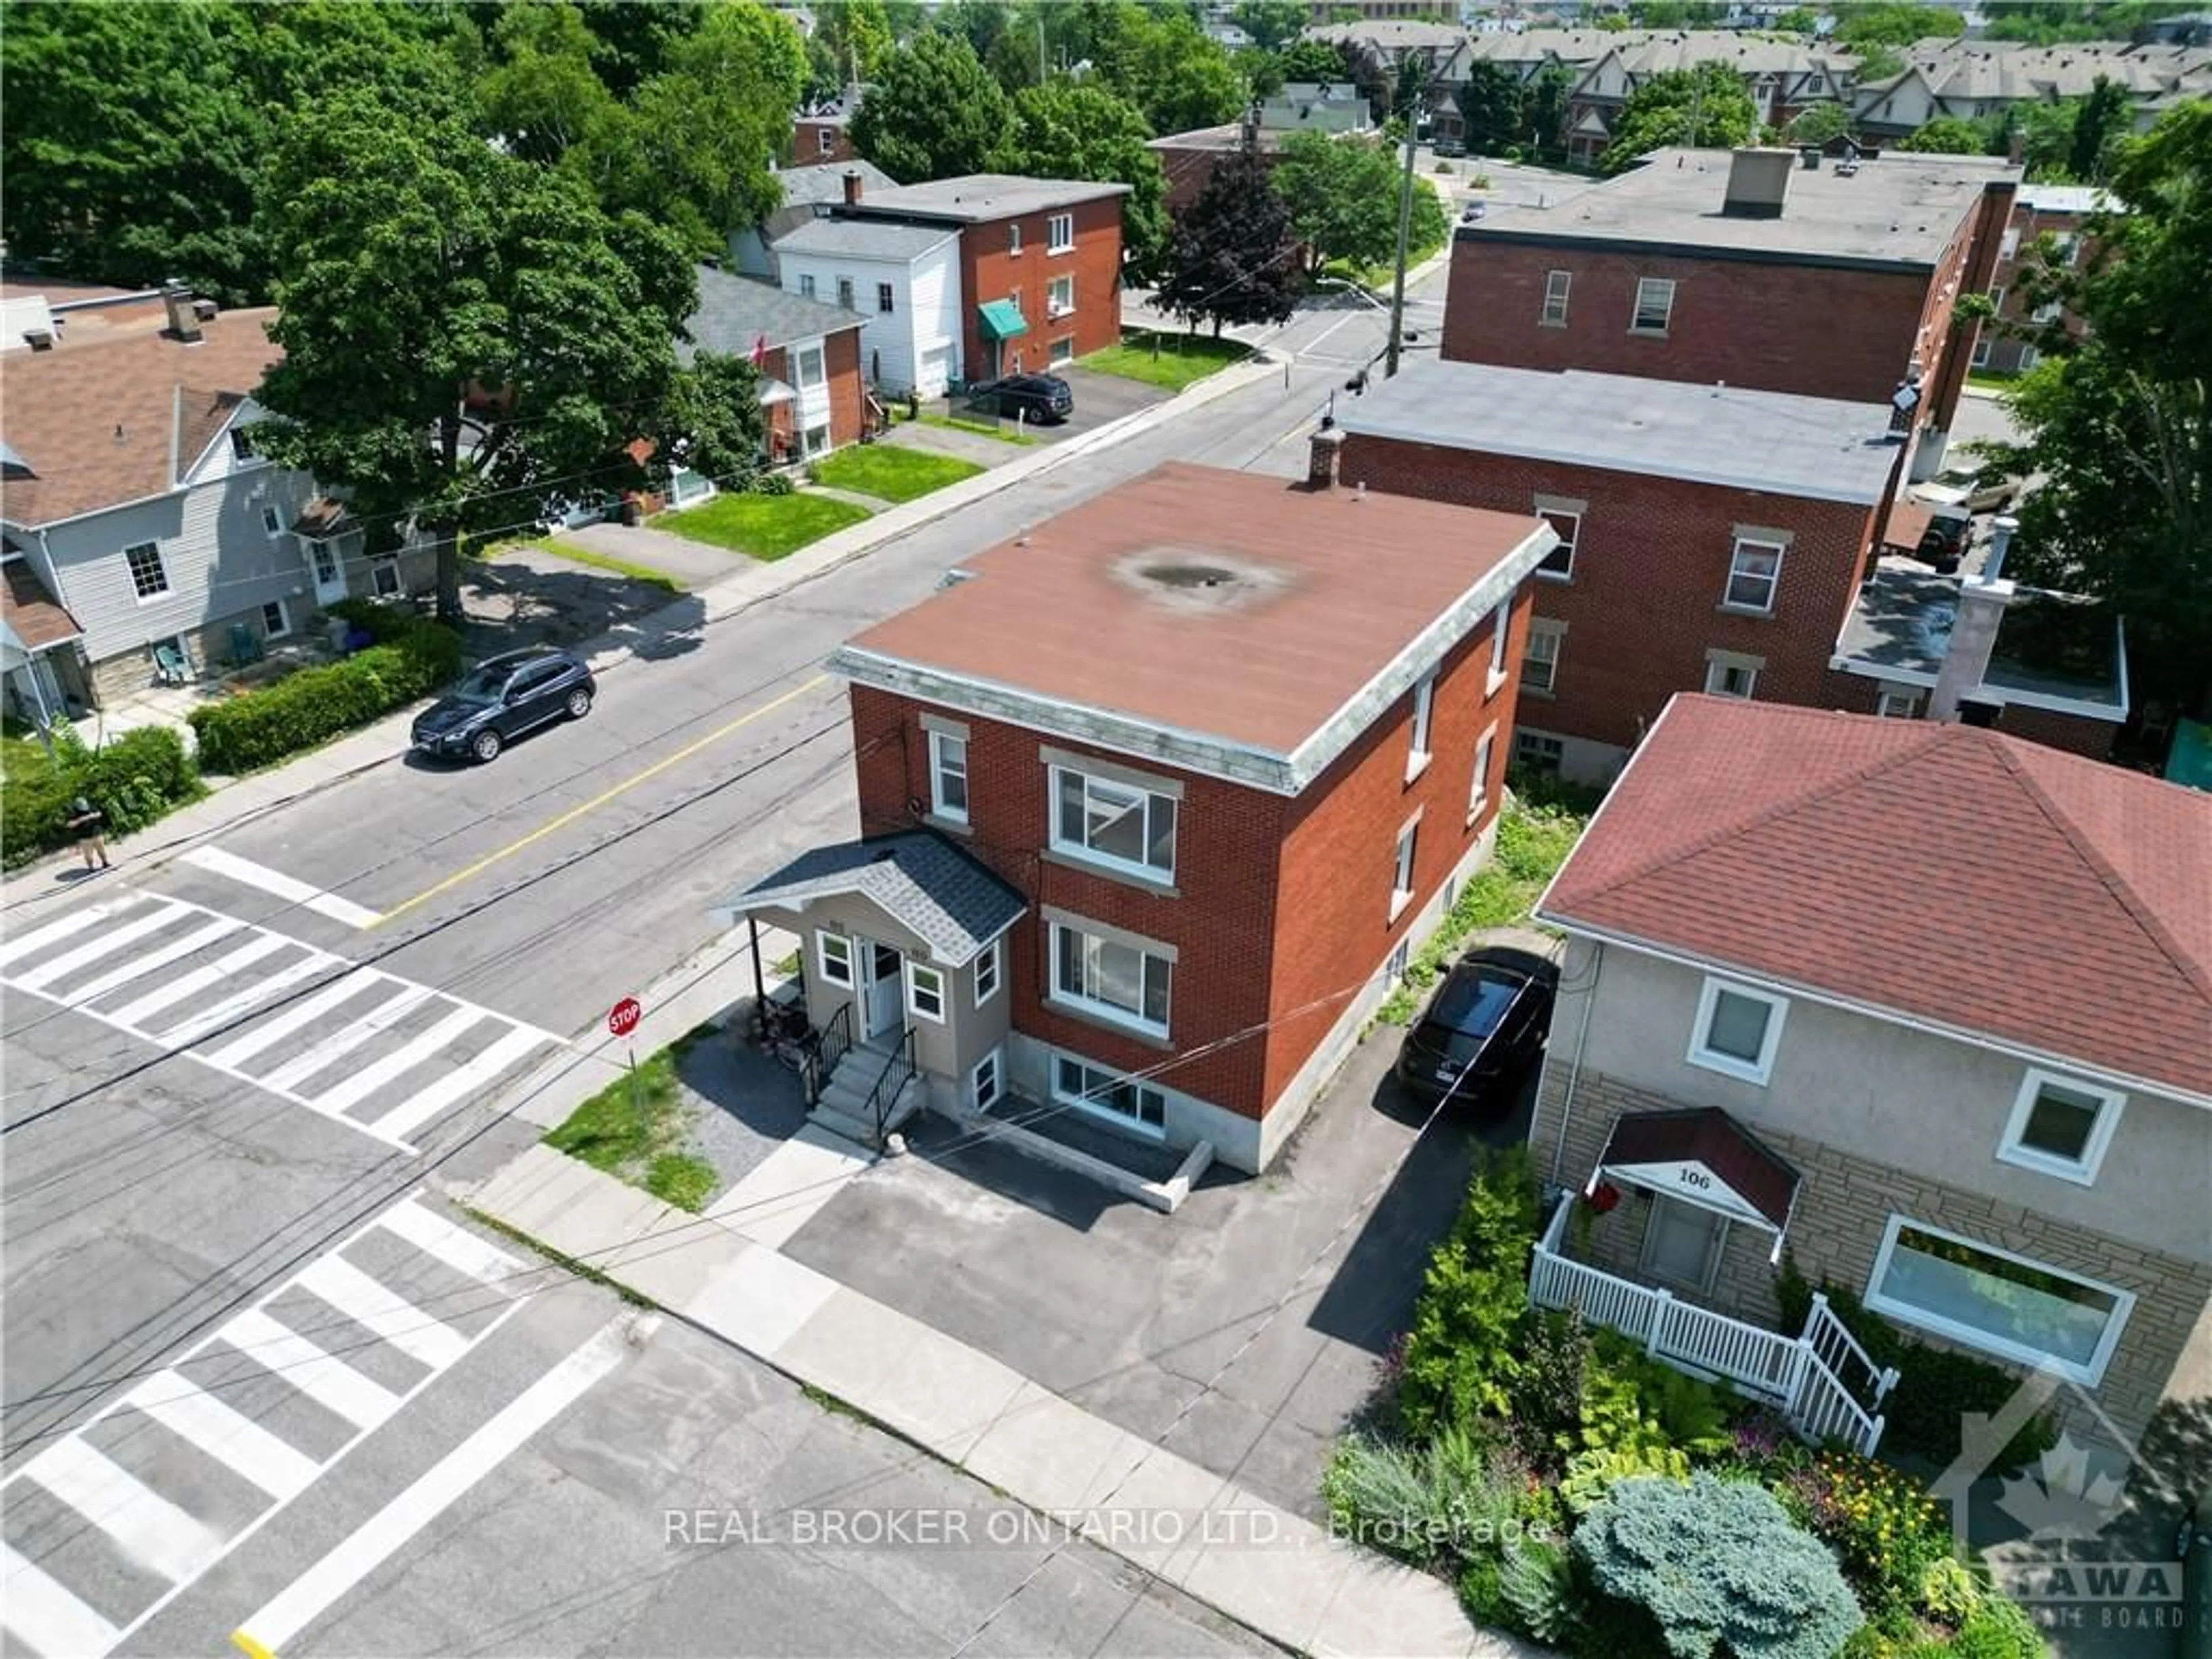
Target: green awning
[
  {"x": 2190, "y": 761},
  {"x": 1001, "y": 320}
]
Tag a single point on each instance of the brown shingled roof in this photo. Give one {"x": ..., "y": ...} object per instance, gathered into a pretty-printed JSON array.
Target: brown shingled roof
[
  {"x": 1944, "y": 872},
  {"x": 32, "y": 615},
  {"x": 99, "y": 421}
]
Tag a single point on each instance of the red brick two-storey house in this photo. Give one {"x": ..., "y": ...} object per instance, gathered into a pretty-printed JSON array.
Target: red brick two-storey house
[
  {"x": 2061, "y": 211},
  {"x": 809, "y": 353},
  {"x": 1156, "y": 800}
]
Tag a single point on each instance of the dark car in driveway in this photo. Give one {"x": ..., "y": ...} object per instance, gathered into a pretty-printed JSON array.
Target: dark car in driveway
[
  {"x": 501, "y": 698},
  {"x": 1044, "y": 397},
  {"x": 1486, "y": 1022}
]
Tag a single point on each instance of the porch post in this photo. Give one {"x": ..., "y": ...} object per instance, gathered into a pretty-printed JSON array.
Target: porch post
[
  {"x": 1883, "y": 1385},
  {"x": 1801, "y": 1364},
  {"x": 1661, "y": 1300},
  {"x": 760, "y": 984}
]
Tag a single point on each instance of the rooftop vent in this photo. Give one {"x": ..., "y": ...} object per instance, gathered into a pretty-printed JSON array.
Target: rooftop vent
[
  {"x": 1758, "y": 179},
  {"x": 1194, "y": 582}
]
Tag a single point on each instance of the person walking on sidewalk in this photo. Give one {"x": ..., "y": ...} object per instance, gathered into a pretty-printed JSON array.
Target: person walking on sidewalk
[{"x": 85, "y": 821}]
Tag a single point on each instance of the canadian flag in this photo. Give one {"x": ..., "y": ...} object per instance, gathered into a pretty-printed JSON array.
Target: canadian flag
[{"x": 760, "y": 351}]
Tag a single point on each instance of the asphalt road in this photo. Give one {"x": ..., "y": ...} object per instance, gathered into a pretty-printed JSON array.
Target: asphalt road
[{"x": 325, "y": 1048}]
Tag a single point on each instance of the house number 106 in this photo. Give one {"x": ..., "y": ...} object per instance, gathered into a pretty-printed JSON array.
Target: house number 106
[{"x": 1696, "y": 1178}]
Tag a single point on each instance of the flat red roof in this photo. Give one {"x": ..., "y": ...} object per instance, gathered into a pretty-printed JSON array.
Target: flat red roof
[{"x": 1229, "y": 605}]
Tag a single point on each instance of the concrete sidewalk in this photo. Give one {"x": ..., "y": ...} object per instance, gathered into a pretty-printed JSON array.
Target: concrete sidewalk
[
  {"x": 384, "y": 743},
  {"x": 1269, "y": 1570}
]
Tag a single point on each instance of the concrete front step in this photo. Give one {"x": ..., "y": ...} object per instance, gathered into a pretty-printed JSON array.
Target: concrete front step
[{"x": 843, "y": 1110}]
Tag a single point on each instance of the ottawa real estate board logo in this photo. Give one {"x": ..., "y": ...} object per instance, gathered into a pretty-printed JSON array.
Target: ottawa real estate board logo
[{"x": 2065, "y": 1536}]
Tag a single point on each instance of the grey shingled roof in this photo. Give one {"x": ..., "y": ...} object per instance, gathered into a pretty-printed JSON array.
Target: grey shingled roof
[
  {"x": 975, "y": 197},
  {"x": 865, "y": 238},
  {"x": 920, "y": 880},
  {"x": 1821, "y": 448},
  {"x": 735, "y": 311},
  {"x": 804, "y": 186}
]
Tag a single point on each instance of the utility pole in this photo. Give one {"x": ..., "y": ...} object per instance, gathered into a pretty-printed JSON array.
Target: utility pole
[
  {"x": 1405, "y": 228},
  {"x": 1043, "y": 74}
]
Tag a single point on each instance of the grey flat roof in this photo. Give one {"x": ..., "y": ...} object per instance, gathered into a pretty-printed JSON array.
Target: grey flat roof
[
  {"x": 1820, "y": 448},
  {"x": 936, "y": 891},
  {"x": 979, "y": 196},
  {"x": 2052, "y": 648},
  {"x": 735, "y": 312},
  {"x": 1898, "y": 209},
  {"x": 864, "y": 239},
  {"x": 826, "y": 182}
]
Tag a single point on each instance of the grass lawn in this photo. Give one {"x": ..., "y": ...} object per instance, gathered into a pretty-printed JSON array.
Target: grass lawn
[
  {"x": 892, "y": 472},
  {"x": 635, "y": 1129},
  {"x": 1982, "y": 382},
  {"x": 1161, "y": 359},
  {"x": 981, "y": 428},
  {"x": 764, "y": 528},
  {"x": 614, "y": 567}
]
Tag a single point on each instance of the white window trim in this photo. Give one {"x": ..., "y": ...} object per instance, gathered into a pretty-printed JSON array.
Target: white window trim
[
  {"x": 823, "y": 959},
  {"x": 1014, "y": 237},
  {"x": 1106, "y": 1114},
  {"x": 886, "y": 299},
  {"x": 160, "y": 569},
  {"x": 384, "y": 580},
  {"x": 914, "y": 972},
  {"x": 272, "y": 523},
  {"x": 1716, "y": 672},
  {"x": 1087, "y": 854},
  {"x": 1485, "y": 756},
  {"x": 1636, "y": 325},
  {"x": 996, "y": 1061},
  {"x": 1539, "y": 629},
  {"x": 2110, "y": 1103},
  {"x": 1059, "y": 233},
  {"x": 1501, "y": 628},
  {"x": 1570, "y": 543},
  {"x": 806, "y": 285},
  {"x": 938, "y": 805},
  {"x": 1554, "y": 312},
  {"x": 821, "y": 374},
  {"x": 1405, "y": 861},
  {"x": 993, "y": 956},
  {"x": 1758, "y": 1071},
  {"x": 1728, "y": 602},
  {"x": 2123, "y": 1303},
  {"x": 1897, "y": 705},
  {"x": 1106, "y": 1012},
  {"x": 1055, "y": 308},
  {"x": 283, "y": 629},
  {"x": 1418, "y": 752}
]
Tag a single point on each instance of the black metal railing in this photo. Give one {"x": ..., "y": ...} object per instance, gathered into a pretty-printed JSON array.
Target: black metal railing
[
  {"x": 897, "y": 1068},
  {"x": 829, "y": 1045}
]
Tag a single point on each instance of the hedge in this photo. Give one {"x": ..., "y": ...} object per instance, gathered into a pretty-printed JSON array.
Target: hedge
[
  {"x": 412, "y": 657},
  {"x": 134, "y": 780}
]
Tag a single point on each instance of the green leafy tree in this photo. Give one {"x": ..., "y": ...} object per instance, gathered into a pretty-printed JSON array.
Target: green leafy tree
[
  {"x": 1817, "y": 123},
  {"x": 1490, "y": 107},
  {"x": 1947, "y": 135},
  {"x": 635, "y": 37},
  {"x": 1660, "y": 112},
  {"x": 855, "y": 35},
  {"x": 1720, "y": 1567},
  {"x": 2103, "y": 117},
  {"x": 2118, "y": 419},
  {"x": 934, "y": 113},
  {"x": 1859, "y": 26},
  {"x": 1163, "y": 64},
  {"x": 2047, "y": 137},
  {"x": 1342, "y": 194},
  {"x": 1799, "y": 20},
  {"x": 1232, "y": 257},
  {"x": 1273, "y": 24},
  {"x": 1464, "y": 1351},
  {"x": 1314, "y": 62},
  {"x": 1544, "y": 107},
  {"x": 541, "y": 92},
  {"x": 712, "y": 421},
  {"x": 420, "y": 269},
  {"x": 1065, "y": 130},
  {"x": 979, "y": 22}
]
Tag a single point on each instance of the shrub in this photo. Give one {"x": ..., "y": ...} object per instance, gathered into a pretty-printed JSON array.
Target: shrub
[
  {"x": 774, "y": 484},
  {"x": 1460, "y": 1361},
  {"x": 1547, "y": 1392},
  {"x": 1996, "y": 1630},
  {"x": 1452, "y": 1501},
  {"x": 1888, "y": 1535},
  {"x": 1718, "y": 1562},
  {"x": 133, "y": 780},
  {"x": 1536, "y": 1587},
  {"x": 411, "y": 658}
]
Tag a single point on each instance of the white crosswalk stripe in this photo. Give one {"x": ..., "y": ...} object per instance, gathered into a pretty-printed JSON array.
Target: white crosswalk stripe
[
  {"x": 136, "y": 1493},
  {"x": 383, "y": 1055}
]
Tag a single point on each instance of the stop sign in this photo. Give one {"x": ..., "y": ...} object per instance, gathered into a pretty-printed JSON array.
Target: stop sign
[{"x": 622, "y": 1017}]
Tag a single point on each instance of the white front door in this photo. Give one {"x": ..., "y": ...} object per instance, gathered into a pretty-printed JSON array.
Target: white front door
[
  {"x": 329, "y": 571},
  {"x": 882, "y": 990},
  {"x": 1682, "y": 1243}
]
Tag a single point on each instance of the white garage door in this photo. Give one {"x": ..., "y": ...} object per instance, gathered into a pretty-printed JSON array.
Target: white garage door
[{"x": 936, "y": 370}]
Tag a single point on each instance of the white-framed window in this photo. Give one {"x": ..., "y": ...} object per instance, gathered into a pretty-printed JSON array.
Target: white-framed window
[
  {"x": 1501, "y": 628},
  {"x": 883, "y": 299},
  {"x": 1538, "y": 751},
  {"x": 807, "y": 284},
  {"x": 833, "y": 958},
  {"x": 1119, "y": 825},
  {"x": 242, "y": 444},
  {"x": 2029, "y": 358},
  {"x": 1994, "y": 1300},
  {"x": 272, "y": 523},
  {"x": 1014, "y": 237},
  {"x": 2061, "y": 1126},
  {"x": 1996, "y": 297},
  {"x": 1982, "y": 343},
  {"x": 2009, "y": 244},
  {"x": 1417, "y": 745},
  {"x": 1061, "y": 350},
  {"x": 811, "y": 367},
  {"x": 1731, "y": 679},
  {"x": 1401, "y": 959},
  {"x": 1754, "y": 572},
  {"x": 1112, "y": 978},
  {"x": 1558, "y": 564},
  {"x": 1124, "y": 1100},
  {"x": 825, "y": 141},
  {"x": 987, "y": 965},
  {"x": 948, "y": 777},
  {"x": 986, "y": 1083},
  {"x": 1478, "y": 795},
  {"x": 1401, "y": 871},
  {"x": 2046, "y": 312},
  {"x": 1556, "y": 283},
  {"x": 817, "y": 438},
  {"x": 1897, "y": 705},
  {"x": 1060, "y": 233},
  {"x": 2069, "y": 251},
  {"x": 1737, "y": 1030},
  {"x": 845, "y": 293},
  {"x": 925, "y": 991},
  {"x": 325, "y": 559},
  {"x": 276, "y": 621},
  {"x": 1654, "y": 305},
  {"x": 384, "y": 578},
  {"x": 148, "y": 575},
  {"x": 1539, "y": 663},
  {"x": 1060, "y": 296}
]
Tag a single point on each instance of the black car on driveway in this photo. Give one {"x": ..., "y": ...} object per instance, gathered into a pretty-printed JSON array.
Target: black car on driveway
[
  {"x": 1044, "y": 397},
  {"x": 501, "y": 698},
  {"x": 1486, "y": 1021}
]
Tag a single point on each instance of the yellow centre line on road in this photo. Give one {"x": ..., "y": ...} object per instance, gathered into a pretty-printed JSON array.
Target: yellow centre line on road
[{"x": 597, "y": 801}]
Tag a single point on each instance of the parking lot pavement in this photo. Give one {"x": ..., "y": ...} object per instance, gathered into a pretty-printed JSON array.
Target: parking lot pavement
[{"x": 1130, "y": 1314}]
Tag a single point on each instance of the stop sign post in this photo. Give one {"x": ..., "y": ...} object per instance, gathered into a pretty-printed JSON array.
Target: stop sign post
[{"x": 622, "y": 1020}]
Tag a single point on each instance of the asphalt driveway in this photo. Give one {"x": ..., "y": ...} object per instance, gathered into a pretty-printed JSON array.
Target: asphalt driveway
[
  {"x": 1099, "y": 398},
  {"x": 1131, "y": 1314}
]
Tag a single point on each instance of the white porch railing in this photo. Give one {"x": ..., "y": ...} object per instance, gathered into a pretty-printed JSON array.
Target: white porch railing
[{"x": 1821, "y": 1381}]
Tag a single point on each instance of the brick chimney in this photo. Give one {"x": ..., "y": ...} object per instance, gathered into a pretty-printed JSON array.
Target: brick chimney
[
  {"x": 1981, "y": 603},
  {"x": 852, "y": 183},
  {"x": 184, "y": 316},
  {"x": 1322, "y": 450}
]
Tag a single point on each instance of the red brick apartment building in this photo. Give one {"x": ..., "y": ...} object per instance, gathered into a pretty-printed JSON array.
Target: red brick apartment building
[
  {"x": 822, "y": 131},
  {"x": 1759, "y": 268},
  {"x": 1040, "y": 262},
  {"x": 2040, "y": 210},
  {"x": 1156, "y": 800}
]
